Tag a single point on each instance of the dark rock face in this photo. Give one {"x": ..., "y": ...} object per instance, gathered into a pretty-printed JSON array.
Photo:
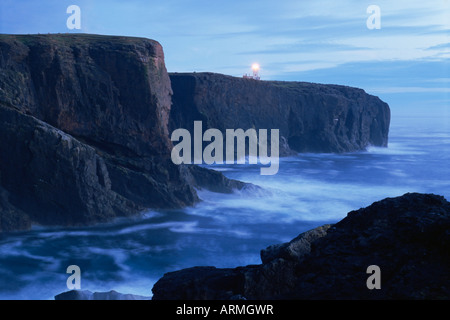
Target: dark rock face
[
  {"x": 295, "y": 248},
  {"x": 408, "y": 237},
  {"x": 200, "y": 283},
  {"x": 202, "y": 178},
  {"x": 311, "y": 117},
  {"x": 84, "y": 131},
  {"x": 11, "y": 218},
  {"x": 53, "y": 177},
  {"x": 113, "y": 91}
]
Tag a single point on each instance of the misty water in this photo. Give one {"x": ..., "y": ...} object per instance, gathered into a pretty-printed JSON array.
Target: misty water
[{"x": 228, "y": 230}]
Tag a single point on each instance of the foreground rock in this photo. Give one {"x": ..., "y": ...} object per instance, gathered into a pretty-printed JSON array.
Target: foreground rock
[
  {"x": 311, "y": 117},
  {"x": 408, "y": 237}
]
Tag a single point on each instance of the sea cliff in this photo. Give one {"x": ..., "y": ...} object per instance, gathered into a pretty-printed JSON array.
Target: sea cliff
[
  {"x": 310, "y": 117},
  {"x": 86, "y": 120},
  {"x": 84, "y": 131}
]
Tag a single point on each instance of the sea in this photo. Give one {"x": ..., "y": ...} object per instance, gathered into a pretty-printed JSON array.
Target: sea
[{"x": 228, "y": 230}]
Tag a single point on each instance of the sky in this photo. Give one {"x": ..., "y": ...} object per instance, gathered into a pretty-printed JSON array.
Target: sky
[{"x": 406, "y": 61}]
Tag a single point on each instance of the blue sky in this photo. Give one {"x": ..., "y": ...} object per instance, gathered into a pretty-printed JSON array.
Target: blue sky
[{"x": 406, "y": 62}]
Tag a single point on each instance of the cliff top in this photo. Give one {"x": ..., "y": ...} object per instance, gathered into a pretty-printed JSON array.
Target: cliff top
[
  {"x": 74, "y": 38},
  {"x": 289, "y": 85}
]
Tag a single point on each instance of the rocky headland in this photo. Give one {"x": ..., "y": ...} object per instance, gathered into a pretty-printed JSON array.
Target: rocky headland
[
  {"x": 86, "y": 123},
  {"x": 311, "y": 117}
]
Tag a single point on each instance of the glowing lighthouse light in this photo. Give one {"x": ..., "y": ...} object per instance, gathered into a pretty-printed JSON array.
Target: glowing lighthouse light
[
  {"x": 255, "y": 67},
  {"x": 255, "y": 75}
]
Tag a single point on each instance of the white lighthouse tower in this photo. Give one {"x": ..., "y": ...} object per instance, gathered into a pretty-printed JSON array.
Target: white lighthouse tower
[{"x": 255, "y": 73}]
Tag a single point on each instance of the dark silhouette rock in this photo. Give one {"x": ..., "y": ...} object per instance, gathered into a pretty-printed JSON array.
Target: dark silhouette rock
[
  {"x": 408, "y": 237},
  {"x": 295, "y": 248},
  {"x": 311, "y": 117},
  {"x": 203, "y": 283}
]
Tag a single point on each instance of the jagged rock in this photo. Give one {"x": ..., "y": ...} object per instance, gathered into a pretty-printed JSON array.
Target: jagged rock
[
  {"x": 408, "y": 237},
  {"x": 215, "y": 181},
  {"x": 311, "y": 117},
  {"x": 296, "y": 248}
]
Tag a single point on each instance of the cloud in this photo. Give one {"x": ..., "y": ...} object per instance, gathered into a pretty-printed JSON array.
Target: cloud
[
  {"x": 410, "y": 90},
  {"x": 324, "y": 34},
  {"x": 290, "y": 38},
  {"x": 440, "y": 46}
]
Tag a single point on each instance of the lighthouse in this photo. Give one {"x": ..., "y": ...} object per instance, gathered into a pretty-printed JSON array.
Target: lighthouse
[{"x": 255, "y": 72}]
